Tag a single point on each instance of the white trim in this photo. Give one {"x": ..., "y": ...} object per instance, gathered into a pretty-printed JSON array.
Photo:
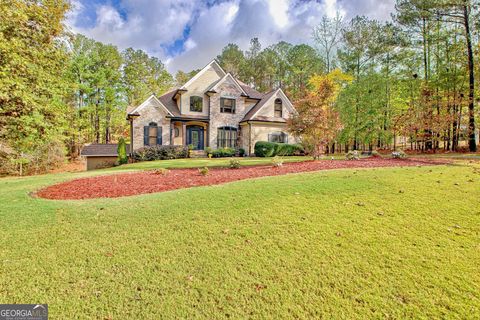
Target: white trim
[
  {"x": 285, "y": 98},
  {"x": 234, "y": 81},
  {"x": 145, "y": 103},
  {"x": 195, "y": 77}
]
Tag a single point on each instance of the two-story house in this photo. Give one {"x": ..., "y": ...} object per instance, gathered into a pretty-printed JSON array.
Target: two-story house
[{"x": 213, "y": 109}]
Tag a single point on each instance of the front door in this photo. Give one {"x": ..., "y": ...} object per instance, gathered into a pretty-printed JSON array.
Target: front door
[{"x": 195, "y": 137}]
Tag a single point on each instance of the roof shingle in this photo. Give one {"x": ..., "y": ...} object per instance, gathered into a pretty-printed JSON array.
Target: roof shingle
[{"x": 100, "y": 149}]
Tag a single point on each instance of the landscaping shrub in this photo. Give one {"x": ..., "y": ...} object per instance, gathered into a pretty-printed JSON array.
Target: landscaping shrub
[
  {"x": 265, "y": 149},
  {"x": 277, "y": 162},
  {"x": 203, "y": 171},
  {"x": 270, "y": 149},
  {"x": 399, "y": 154},
  {"x": 122, "y": 152},
  {"x": 160, "y": 153},
  {"x": 223, "y": 153},
  {"x": 235, "y": 164},
  {"x": 241, "y": 152},
  {"x": 208, "y": 151},
  {"x": 353, "y": 155},
  {"x": 285, "y": 149},
  {"x": 160, "y": 171}
]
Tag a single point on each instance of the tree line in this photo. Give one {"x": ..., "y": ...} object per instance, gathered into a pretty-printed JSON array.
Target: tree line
[
  {"x": 414, "y": 79},
  {"x": 412, "y": 82}
]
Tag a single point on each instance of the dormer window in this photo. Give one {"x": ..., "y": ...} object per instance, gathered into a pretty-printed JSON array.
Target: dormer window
[
  {"x": 278, "y": 108},
  {"x": 196, "y": 104},
  {"x": 227, "y": 105}
]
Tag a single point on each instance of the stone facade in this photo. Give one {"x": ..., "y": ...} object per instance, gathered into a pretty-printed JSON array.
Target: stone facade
[
  {"x": 218, "y": 119},
  {"x": 254, "y": 115},
  {"x": 151, "y": 112}
]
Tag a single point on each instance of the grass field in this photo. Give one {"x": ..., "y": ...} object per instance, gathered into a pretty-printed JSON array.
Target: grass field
[{"x": 390, "y": 243}]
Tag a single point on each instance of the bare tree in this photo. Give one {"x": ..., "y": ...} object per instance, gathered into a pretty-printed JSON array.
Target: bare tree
[{"x": 327, "y": 35}]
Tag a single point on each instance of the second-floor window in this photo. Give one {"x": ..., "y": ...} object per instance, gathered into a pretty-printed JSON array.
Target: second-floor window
[
  {"x": 196, "y": 104},
  {"x": 278, "y": 108},
  {"x": 227, "y": 105}
]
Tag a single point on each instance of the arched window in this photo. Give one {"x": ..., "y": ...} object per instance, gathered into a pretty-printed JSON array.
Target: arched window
[
  {"x": 279, "y": 137},
  {"x": 152, "y": 134},
  {"x": 278, "y": 108},
  {"x": 196, "y": 104},
  {"x": 227, "y": 137}
]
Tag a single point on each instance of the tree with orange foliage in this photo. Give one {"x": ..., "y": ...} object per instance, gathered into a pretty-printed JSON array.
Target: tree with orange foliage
[{"x": 316, "y": 122}]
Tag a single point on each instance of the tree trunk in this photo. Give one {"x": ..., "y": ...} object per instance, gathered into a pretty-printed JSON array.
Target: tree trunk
[{"x": 472, "y": 146}]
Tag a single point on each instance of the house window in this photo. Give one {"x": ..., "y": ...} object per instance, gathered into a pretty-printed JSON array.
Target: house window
[
  {"x": 152, "y": 134},
  {"x": 278, "y": 108},
  {"x": 227, "y": 137},
  {"x": 279, "y": 137},
  {"x": 227, "y": 105},
  {"x": 196, "y": 104}
]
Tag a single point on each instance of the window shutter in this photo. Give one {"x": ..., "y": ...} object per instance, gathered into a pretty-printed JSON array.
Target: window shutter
[
  {"x": 145, "y": 135},
  {"x": 159, "y": 135}
]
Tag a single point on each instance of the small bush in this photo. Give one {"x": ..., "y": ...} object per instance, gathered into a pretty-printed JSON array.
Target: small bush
[
  {"x": 277, "y": 162},
  {"x": 353, "y": 155},
  {"x": 208, "y": 151},
  {"x": 235, "y": 164},
  {"x": 399, "y": 154},
  {"x": 223, "y": 153},
  {"x": 160, "y": 171},
  {"x": 241, "y": 152},
  {"x": 265, "y": 149},
  {"x": 285, "y": 149},
  {"x": 160, "y": 153},
  {"x": 270, "y": 149},
  {"x": 122, "y": 152},
  {"x": 203, "y": 171}
]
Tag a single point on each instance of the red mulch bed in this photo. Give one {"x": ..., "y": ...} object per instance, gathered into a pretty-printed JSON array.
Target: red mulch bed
[{"x": 128, "y": 184}]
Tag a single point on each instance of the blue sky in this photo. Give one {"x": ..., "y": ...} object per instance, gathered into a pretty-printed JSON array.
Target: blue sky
[{"x": 187, "y": 34}]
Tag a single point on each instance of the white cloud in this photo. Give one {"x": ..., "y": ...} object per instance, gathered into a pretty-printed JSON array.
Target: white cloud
[
  {"x": 279, "y": 11},
  {"x": 149, "y": 25},
  {"x": 154, "y": 25}
]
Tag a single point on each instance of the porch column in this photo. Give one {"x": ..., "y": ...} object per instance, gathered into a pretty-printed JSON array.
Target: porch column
[
  {"x": 184, "y": 133},
  {"x": 172, "y": 125},
  {"x": 207, "y": 128}
]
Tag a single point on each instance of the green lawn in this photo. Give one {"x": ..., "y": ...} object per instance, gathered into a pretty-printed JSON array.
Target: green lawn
[{"x": 390, "y": 243}]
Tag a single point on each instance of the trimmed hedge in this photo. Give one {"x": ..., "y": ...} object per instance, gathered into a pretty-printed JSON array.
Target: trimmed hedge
[
  {"x": 223, "y": 153},
  {"x": 160, "y": 153},
  {"x": 271, "y": 149}
]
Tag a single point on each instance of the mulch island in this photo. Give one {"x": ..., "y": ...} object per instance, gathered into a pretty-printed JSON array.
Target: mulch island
[{"x": 128, "y": 184}]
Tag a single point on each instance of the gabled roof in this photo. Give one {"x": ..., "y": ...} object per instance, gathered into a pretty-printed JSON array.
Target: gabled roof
[
  {"x": 195, "y": 77},
  {"x": 169, "y": 109},
  {"x": 170, "y": 103},
  {"x": 225, "y": 77},
  {"x": 100, "y": 150},
  {"x": 252, "y": 93},
  {"x": 251, "y": 115},
  {"x": 258, "y": 106}
]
